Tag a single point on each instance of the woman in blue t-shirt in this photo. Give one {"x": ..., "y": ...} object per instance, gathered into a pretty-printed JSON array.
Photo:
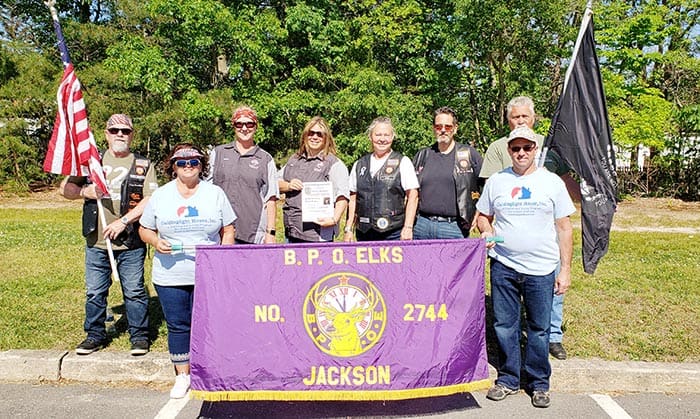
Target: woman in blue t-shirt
[{"x": 181, "y": 214}]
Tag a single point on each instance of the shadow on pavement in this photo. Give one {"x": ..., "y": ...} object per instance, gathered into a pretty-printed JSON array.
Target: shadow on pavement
[{"x": 336, "y": 409}]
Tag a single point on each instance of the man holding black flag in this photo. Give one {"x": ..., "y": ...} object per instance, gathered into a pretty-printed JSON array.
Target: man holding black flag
[{"x": 529, "y": 207}]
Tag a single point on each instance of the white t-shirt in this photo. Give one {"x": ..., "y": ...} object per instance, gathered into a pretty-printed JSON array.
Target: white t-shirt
[
  {"x": 525, "y": 209},
  {"x": 409, "y": 180},
  {"x": 196, "y": 220}
]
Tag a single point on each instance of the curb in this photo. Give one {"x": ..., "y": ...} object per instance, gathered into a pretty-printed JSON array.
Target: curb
[{"x": 573, "y": 375}]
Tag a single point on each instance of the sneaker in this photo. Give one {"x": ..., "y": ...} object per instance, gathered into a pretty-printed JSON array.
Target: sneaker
[
  {"x": 182, "y": 385},
  {"x": 540, "y": 398},
  {"x": 557, "y": 350},
  {"x": 500, "y": 392},
  {"x": 88, "y": 346},
  {"x": 140, "y": 347}
]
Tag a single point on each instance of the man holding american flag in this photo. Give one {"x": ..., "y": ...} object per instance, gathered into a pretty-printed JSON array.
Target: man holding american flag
[{"x": 130, "y": 181}]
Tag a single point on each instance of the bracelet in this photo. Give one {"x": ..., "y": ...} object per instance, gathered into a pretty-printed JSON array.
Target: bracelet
[
  {"x": 348, "y": 229},
  {"x": 408, "y": 227}
]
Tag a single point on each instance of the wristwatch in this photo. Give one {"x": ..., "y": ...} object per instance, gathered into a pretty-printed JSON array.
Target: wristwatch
[
  {"x": 124, "y": 220},
  {"x": 271, "y": 232}
]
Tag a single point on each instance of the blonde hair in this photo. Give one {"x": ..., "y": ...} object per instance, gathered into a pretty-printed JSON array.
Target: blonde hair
[{"x": 328, "y": 144}]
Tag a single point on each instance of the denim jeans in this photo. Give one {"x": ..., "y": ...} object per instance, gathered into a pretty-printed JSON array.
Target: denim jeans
[
  {"x": 98, "y": 280},
  {"x": 556, "y": 335},
  {"x": 507, "y": 288},
  {"x": 373, "y": 235},
  {"x": 177, "y": 308},
  {"x": 426, "y": 229}
]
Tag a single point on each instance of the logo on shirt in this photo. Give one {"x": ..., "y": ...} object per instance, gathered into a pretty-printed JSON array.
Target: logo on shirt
[
  {"x": 319, "y": 167},
  {"x": 520, "y": 193},
  {"x": 254, "y": 164},
  {"x": 184, "y": 211}
]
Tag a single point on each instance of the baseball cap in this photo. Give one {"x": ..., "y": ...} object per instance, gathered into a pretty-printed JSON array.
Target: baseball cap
[
  {"x": 524, "y": 133},
  {"x": 119, "y": 119}
]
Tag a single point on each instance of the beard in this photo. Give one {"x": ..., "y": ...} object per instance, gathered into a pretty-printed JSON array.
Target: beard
[
  {"x": 444, "y": 139},
  {"x": 120, "y": 147}
]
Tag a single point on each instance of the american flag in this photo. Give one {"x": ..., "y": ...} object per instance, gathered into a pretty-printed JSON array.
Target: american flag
[{"x": 72, "y": 148}]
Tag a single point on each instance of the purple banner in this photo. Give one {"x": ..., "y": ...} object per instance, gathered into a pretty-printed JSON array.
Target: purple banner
[{"x": 339, "y": 321}]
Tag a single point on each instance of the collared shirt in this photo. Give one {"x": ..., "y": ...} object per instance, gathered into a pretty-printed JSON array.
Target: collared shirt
[
  {"x": 250, "y": 181},
  {"x": 314, "y": 169}
]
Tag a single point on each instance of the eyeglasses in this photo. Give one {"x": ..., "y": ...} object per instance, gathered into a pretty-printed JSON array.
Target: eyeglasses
[
  {"x": 527, "y": 148},
  {"x": 249, "y": 124},
  {"x": 443, "y": 127},
  {"x": 185, "y": 163},
  {"x": 115, "y": 131},
  {"x": 316, "y": 133}
]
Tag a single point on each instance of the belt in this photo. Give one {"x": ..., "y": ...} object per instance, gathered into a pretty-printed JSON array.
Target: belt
[{"x": 439, "y": 218}]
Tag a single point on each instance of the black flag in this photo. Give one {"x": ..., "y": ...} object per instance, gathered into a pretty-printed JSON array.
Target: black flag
[{"x": 580, "y": 133}]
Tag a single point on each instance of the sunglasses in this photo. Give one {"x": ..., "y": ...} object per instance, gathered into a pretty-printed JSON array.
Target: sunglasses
[
  {"x": 443, "y": 127},
  {"x": 185, "y": 163},
  {"x": 115, "y": 131},
  {"x": 527, "y": 148},
  {"x": 316, "y": 133},
  {"x": 249, "y": 124}
]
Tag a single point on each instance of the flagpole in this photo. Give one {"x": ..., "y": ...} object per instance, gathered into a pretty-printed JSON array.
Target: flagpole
[
  {"x": 65, "y": 58},
  {"x": 580, "y": 133},
  {"x": 582, "y": 30}
]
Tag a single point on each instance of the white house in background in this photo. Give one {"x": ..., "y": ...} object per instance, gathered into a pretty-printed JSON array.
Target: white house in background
[{"x": 623, "y": 157}]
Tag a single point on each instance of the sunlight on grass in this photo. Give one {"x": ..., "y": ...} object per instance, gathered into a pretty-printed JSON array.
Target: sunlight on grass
[{"x": 643, "y": 303}]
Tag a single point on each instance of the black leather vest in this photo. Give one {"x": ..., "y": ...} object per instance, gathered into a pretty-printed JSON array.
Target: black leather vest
[
  {"x": 380, "y": 199},
  {"x": 466, "y": 182},
  {"x": 130, "y": 196}
]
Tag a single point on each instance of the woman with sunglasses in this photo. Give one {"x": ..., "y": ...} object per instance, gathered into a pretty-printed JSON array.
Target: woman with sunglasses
[
  {"x": 180, "y": 214},
  {"x": 248, "y": 175},
  {"x": 383, "y": 190},
  {"x": 315, "y": 161}
]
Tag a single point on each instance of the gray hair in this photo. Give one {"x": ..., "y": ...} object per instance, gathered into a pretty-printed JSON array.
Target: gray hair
[
  {"x": 519, "y": 101},
  {"x": 380, "y": 120}
]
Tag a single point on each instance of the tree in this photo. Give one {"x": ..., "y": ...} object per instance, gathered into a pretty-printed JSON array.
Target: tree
[
  {"x": 179, "y": 68},
  {"x": 504, "y": 49}
]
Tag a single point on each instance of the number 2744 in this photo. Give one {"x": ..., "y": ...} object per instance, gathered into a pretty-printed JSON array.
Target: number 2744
[{"x": 420, "y": 312}]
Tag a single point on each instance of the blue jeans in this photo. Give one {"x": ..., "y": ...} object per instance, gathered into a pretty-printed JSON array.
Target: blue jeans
[
  {"x": 177, "y": 309},
  {"x": 426, "y": 229},
  {"x": 98, "y": 280},
  {"x": 556, "y": 335},
  {"x": 507, "y": 288}
]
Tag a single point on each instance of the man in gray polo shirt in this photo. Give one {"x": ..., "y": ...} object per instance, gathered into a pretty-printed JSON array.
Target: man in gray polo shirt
[{"x": 248, "y": 175}]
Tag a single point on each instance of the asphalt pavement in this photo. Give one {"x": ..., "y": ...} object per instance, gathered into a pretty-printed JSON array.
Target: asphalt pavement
[{"x": 111, "y": 385}]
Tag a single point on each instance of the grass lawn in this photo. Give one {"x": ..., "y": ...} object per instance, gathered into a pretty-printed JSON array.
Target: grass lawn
[{"x": 643, "y": 302}]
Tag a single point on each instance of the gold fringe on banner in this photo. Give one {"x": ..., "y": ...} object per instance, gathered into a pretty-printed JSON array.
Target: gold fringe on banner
[{"x": 334, "y": 395}]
